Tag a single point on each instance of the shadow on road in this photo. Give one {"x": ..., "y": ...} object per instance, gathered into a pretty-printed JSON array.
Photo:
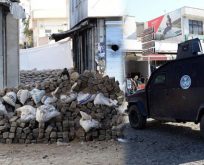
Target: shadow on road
[{"x": 164, "y": 144}]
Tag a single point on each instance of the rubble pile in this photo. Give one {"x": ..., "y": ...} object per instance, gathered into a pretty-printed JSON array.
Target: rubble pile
[
  {"x": 61, "y": 110},
  {"x": 33, "y": 76}
]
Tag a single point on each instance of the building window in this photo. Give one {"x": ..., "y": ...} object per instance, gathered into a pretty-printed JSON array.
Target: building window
[
  {"x": 195, "y": 27},
  {"x": 48, "y": 32}
]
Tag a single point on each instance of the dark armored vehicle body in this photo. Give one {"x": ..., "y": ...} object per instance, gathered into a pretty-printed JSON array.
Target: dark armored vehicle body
[{"x": 174, "y": 92}]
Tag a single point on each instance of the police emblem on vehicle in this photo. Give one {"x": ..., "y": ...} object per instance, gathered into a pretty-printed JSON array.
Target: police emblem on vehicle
[{"x": 185, "y": 82}]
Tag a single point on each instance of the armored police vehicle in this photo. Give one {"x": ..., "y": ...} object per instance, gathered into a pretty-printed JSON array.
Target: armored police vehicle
[{"x": 174, "y": 92}]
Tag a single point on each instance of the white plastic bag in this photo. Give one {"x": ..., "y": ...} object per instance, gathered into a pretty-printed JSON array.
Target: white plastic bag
[
  {"x": 85, "y": 116},
  {"x": 37, "y": 95},
  {"x": 87, "y": 123},
  {"x": 102, "y": 100},
  {"x": 46, "y": 112},
  {"x": 123, "y": 107},
  {"x": 48, "y": 100},
  {"x": 67, "y": 99},
  {"x": 23, "y": 95},
  {"x": 10, "y": 98},
  {"x": 28, "y": 113},
  {"x": 3, "y": 110},
  {"x": 83, "y": 98}
]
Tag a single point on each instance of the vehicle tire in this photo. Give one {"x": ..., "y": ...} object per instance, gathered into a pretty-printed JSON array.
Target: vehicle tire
[
  {"x": 202, "y": 125},
  {"x": 137, "y": 120}
]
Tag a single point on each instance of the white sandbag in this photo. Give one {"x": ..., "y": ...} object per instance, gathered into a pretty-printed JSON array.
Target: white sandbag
[
  {"x": 28, "y": 113},
  {"x": 87, "y": 123},
  {"x": 23, "y": 96},
  {"x": 83, "y": 98},
  {"x": 3, "y": 110},
  {"x": 10, "y": 98},
  {"x": 48, "y": 100},
  {"x": 67, "y": 99},
  {"x": 85, "y": 116},
  {"x": 37, "y": 95},
  {"x": 102, "y": 100},
  {"x": 46, "y": 112}
]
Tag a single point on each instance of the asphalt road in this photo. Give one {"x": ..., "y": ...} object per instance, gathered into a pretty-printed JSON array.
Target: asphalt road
[{"x": 167, "y": 143}]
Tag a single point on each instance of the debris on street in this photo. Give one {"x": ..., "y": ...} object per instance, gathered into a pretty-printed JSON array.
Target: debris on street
[{"x": 47, "y": 108}]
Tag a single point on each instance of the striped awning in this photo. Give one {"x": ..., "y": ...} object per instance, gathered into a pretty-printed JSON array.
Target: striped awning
[{"x": 158, "y": 57}]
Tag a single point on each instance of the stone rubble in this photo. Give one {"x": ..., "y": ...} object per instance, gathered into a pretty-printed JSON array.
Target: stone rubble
[{"x": 66, "y": 127}]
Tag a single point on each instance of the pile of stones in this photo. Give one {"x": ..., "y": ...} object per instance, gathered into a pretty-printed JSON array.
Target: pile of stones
[
  {"x": 34, "y": 76},
  {"x": 65, "y": 127}
]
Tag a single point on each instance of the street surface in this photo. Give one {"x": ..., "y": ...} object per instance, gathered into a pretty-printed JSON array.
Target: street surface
[{"x": 158, "y": 144}]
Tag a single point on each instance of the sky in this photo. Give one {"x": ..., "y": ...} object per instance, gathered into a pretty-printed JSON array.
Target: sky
[{"x": 145, "y": 10}]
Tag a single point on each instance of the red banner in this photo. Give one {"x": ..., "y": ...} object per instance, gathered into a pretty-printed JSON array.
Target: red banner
[{"x": 155, "y": 23}]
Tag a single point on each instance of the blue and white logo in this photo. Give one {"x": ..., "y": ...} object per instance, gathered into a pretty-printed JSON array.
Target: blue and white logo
[{"x": 185, "y": 82}]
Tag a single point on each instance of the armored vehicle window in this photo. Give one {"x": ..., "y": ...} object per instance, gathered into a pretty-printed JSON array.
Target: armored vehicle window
[{"x": 160, "y": 79}]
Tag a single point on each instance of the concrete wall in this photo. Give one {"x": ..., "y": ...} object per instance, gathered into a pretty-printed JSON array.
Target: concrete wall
[
  {"x": 12, "y": 32},
  {"x": 82, "y": 9},
  {"x": 52, "y": 56},
  {"x": 191, "y": 12},
  {"x": 114, "y": 59},
  {"x": 78, "y": 11},
  {"x": 130, "y": 27},
  {"x": 106, "y": 8},
  {"x": 1, "y": 50}
]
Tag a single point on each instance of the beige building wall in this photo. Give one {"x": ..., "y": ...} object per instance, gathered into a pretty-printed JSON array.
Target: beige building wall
[
  {"x": 82, "y": 9},
  {"x": 48, "y": 16}
]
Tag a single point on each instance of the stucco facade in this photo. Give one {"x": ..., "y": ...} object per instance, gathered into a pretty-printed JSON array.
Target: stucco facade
[{"x": 47, "y": 17}]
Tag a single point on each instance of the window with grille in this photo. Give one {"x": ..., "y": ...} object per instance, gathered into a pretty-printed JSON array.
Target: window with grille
[
  {"x": 195, "y": 27},
  {"x": 48, "y": 31}
]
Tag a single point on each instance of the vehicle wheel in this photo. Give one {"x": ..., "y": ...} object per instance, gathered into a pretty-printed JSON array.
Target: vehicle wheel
[
  {"x": 202, "y": 125},
  {"x": 137, "y": 120}
]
